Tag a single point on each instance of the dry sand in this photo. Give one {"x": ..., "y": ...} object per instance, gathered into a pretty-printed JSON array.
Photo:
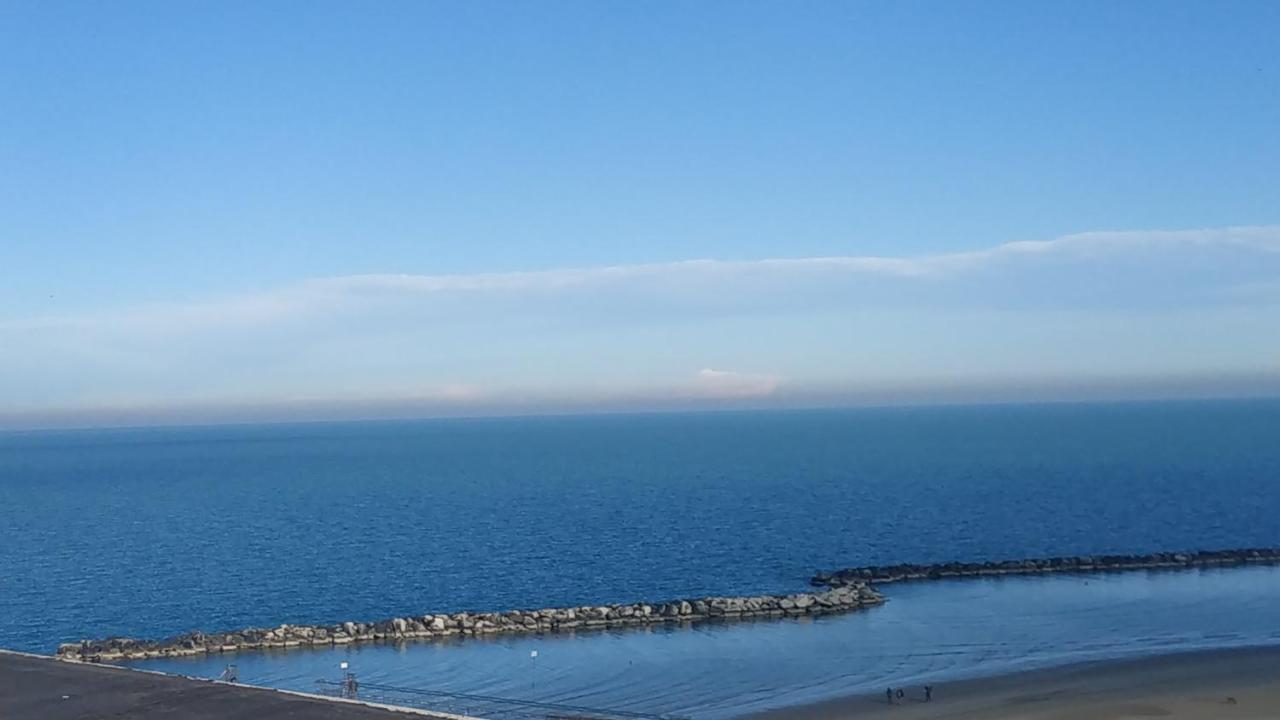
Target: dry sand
[{"x": 1224, "y": 684}]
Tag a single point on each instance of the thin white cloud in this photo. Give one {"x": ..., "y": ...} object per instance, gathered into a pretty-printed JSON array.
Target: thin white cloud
[
  {"x": 1187, "y": 301},
  {"x": 684, "y": 279},
  {"x": 732, "y": 384}
]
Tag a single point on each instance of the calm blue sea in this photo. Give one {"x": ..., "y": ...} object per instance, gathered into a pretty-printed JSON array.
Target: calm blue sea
[{"x": 151, "y": 532}]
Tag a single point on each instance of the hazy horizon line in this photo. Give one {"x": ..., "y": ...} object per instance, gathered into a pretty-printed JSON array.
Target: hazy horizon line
[{"x": 1113, "y": 390}]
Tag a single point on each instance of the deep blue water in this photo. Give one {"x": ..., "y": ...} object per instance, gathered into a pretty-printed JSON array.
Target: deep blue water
[
  {"x": 157, "y": 531},
  {"x": 151, "y": 532}
]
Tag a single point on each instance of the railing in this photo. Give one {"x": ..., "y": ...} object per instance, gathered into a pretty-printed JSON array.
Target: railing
[{"x": 488, "y": 707}]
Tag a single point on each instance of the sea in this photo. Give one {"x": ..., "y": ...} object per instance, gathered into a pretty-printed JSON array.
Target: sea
[{"x": 150, "y": 532}]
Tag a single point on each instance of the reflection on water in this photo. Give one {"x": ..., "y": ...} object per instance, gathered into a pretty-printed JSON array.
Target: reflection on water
[{"x": 930, "y": 632}]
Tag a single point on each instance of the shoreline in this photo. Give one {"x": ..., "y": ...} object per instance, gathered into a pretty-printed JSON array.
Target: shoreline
[
  {"x": 39, "y": 687},
  {"x": 1241, "y": 682}
]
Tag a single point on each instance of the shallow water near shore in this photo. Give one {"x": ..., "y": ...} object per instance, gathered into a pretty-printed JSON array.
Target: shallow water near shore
[{"x": 931, "y": 632}]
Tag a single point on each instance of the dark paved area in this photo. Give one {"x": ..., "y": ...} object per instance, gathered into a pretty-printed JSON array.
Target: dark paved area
[{"x": 32, "y": 688}]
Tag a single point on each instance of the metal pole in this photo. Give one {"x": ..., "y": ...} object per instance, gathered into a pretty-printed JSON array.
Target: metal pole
[{"x": 533, "y": 674}]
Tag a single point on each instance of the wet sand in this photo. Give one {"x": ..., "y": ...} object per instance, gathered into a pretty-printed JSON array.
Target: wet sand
[{"x": 1211, "y": 685}]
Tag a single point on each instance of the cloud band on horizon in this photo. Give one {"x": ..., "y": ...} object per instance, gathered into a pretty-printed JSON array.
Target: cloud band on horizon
[{"x": 1149, "y": 304}]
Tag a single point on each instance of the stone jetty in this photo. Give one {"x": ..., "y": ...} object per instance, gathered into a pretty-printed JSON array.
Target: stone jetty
[
  {"x": 848, "y": 596},
  {"x": 880, "y": 574},
  {"x": 844, "y": 591}
]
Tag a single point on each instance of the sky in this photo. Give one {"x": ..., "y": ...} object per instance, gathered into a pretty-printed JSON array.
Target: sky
[{"x": 312, "y": 210}]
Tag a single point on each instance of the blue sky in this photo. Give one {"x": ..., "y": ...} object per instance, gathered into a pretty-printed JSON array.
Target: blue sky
[{"x": 257, "y": 210}]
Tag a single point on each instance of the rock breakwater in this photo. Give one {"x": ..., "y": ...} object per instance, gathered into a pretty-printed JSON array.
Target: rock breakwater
[
  {"x": 1089, "y": 563},
  {"x": 844, "y": 591},
  {"x": 844, "y": 598}
]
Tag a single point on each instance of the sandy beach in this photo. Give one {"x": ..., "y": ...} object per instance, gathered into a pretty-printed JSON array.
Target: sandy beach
[{"x": 1211, "y": 685}]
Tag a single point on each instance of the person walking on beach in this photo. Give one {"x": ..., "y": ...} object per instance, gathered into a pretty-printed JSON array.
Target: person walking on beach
[
  {"x": 888, "y": 695},
  {"x": 351, "y": 686},
  {"x": 928, "y": 693}
]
